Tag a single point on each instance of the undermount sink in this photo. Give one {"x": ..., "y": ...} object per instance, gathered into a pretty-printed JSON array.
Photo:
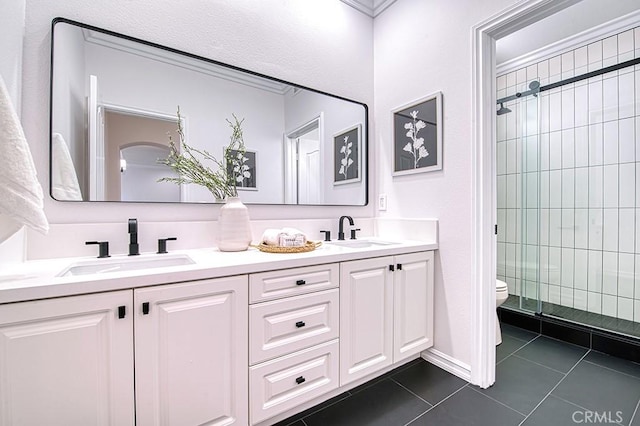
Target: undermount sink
[
  {"x": 364, "y": 243},
  {"x": 105, "y": 266}
]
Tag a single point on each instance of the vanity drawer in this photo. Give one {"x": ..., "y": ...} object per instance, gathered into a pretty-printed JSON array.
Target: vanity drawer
[
  {"x": 283, "y": 383},
  {"x": 283, "y": 326},
  {"x": 290, "y": 282}
]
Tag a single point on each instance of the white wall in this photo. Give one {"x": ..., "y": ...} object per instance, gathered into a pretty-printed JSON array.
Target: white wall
[
  {"x": 420, "y": 47},
  {"x": 206, "y": 102},
  {"x": 322, "y": 44}
]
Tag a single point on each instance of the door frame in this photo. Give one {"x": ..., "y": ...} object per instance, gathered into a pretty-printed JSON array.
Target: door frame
[{"x": 483, "y": 173}]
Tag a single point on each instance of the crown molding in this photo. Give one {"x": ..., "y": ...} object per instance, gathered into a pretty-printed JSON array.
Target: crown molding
[
  {"x": 583, "y": 38},
  {"x": 370, "y": 8},
  {"x": 184, "y": 61}
]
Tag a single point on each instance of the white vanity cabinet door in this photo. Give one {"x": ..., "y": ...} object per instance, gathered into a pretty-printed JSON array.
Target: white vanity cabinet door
[
  {"x": 191, "y": 353},
  {"x": 386, "y": 312},
  {"x": 366, "y": 317},
  {"x": 67, "y": 361},
  {"x": 413, "y": 304}
]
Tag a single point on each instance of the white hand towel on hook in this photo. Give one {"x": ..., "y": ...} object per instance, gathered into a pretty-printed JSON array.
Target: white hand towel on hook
[{"x": 21, "y": 199}]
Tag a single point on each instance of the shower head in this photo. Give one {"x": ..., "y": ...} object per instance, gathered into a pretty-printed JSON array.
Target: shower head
[{"x": 503, "y": 110}]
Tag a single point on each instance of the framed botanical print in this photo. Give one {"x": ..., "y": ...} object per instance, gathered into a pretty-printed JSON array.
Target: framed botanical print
[
  {"x": 417, "y": 136},
  {"x": 243, "y": 167},
  {"x": 347, "y": 151}
]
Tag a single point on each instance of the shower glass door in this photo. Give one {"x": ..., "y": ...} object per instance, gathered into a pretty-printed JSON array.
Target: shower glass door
[
  {"x": 519, "y": 186},
  {"x": 527, "y": 113}
]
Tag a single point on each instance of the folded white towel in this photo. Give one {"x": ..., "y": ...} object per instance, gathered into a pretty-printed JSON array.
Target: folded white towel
[
  {"x": 292, "y": 237},
  {"x": 21, "y": 199},
  {"x": 64, "y": 181},
  {"x": 271, "y": 237}
]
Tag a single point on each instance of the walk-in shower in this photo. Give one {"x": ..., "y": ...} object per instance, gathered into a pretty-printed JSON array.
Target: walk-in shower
[{"x": 568, "y": 177}]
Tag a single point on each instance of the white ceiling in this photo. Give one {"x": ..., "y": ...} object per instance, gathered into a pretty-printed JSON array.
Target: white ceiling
[{"x": 573, "y": 20}]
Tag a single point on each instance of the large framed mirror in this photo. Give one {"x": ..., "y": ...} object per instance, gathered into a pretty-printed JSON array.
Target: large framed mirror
[{"x": 114, "y": 102}]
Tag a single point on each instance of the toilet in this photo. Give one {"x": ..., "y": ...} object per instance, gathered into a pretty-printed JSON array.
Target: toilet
[{"x": 502, "y": 293}]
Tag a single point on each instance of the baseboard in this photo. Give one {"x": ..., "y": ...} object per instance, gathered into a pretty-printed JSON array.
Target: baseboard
[{"x": 447, "y": 363}]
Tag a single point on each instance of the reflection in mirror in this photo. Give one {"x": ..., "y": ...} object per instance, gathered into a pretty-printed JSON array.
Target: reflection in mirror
[{"x": 113, "y": 107}]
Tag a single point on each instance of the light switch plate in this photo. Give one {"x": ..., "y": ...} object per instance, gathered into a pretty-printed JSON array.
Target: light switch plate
[{"x": 382, "y": 202}]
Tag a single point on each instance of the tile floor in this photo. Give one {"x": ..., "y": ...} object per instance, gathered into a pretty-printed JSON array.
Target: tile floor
[{"x": 539, "y": 381}]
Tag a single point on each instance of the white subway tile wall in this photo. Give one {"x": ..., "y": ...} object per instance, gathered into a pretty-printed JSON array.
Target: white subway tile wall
[{"x": 568, "y": 165}]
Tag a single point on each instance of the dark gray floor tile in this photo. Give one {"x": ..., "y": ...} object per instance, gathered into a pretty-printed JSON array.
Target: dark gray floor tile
[
  {"x": 556, "y": 412},
  {"x": 386, "y": 375},
  {"x": 552, "y": 353},
  {"x": 429, "y": 382},
  {"x": 385, "y": 403},
  {"x": 614, "y": 363},
  {"x": 293, "y": 419},
  {"x": 521, "y": 384},
  {"x": 600, "y": 389},
  {"x": 296, "y": 423},
  {"x": 469, "y": 408},
  {"x": 636, "y": 418},
  {"x": 517, "y": 332},
  {"x": 508, "y": 346}
]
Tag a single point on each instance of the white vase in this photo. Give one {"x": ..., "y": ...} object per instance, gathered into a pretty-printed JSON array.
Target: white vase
[{"x": 234, "y": 231}]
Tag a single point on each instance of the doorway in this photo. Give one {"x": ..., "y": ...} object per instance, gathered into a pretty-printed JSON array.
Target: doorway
[{"x": 303, "y": 163}]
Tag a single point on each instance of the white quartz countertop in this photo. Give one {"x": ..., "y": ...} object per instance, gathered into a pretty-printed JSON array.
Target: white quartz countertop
[{"x": 39, "y": 279}]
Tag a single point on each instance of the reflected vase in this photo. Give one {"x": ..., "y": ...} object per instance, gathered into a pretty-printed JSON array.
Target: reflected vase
[{"x": 234, "y": 230}]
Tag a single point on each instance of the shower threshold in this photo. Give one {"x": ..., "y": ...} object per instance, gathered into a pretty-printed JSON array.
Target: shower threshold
[{"x": 602, "y": 322}]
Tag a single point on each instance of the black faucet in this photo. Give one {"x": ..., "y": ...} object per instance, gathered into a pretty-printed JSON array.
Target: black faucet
[
  {"x": 134, "y": 250},
  {"x": 341, "y": 226}
]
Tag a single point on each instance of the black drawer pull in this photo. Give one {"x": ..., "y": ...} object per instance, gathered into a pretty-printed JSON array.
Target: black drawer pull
[
  {"x": 399, "y": 266},
  {"x": 301, "y": 282},
  {"x": 145, "y": 308},
  {"x": 392, "y": 268},
  {"x": 300, "y": 380},
  {"x": 122, "y": 310},
  {"x": 300, "y": 324}
]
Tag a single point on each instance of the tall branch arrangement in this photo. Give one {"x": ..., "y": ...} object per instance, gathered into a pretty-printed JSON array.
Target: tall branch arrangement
[{"x": 220, "y": 180}]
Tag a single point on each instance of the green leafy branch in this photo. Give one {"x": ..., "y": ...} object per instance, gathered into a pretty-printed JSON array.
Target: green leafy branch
[{"x": 220, "y": 181}]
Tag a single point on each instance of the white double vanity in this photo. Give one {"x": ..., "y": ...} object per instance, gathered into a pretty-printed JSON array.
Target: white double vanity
[{"x": 215, "y": 338}]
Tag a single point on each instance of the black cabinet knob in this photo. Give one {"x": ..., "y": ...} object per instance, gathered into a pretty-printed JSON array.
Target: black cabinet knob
[
  {"x": 392, "y": 268},
  {"x": 399, "y": 266},
  {"x": 301, "y": 282},
  {"x": 300, "y": 380},
  {"x": 145, "y": 308},
  {"x": 300, "y": 324}
]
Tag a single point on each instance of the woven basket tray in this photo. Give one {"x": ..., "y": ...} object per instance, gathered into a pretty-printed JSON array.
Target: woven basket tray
[{"x": 309, "y": 246}]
